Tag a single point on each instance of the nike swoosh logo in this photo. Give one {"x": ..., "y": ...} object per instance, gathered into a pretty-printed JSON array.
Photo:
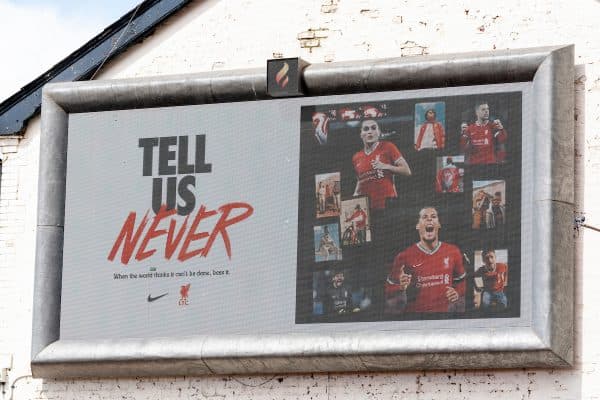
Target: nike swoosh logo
[{"x": 151, "y": 299}]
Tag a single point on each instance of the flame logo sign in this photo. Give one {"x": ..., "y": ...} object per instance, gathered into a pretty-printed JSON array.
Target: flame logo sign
[{"x": 282, "y": 78}]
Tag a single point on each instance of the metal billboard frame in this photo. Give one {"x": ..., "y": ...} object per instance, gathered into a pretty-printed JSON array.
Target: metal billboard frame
[{"x": 548, "y": 342}]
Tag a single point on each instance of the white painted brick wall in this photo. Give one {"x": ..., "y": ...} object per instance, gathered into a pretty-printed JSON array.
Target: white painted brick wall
[
  {"x": 18, "y": 199},
  {"x": 231, "y": 34}
]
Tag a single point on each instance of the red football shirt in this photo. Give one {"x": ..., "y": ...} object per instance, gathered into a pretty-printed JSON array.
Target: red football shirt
[
  {"x": 494, "y": 281},
  {"x": 480, "y": 141},
  {"x": 360, "y": 218},
  {"x": 432, "y": 273},
  {"x": 376, "y": 183},
  {"x": 448, "y": 180}
]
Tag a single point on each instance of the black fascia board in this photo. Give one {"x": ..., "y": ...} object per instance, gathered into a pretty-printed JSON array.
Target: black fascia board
[{"x": 83, "y": 62}]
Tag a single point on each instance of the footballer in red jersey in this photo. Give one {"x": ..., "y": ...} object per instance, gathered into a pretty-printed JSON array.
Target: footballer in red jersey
[
  {"x": 448, "y": 178},
  {"x": 376, "y": 164},
  {"x": 359, "y": 222},
  {"x": 429, "y": 276},
  {"x": 484, "y": 141},
  {"x": 495, "y": 279}
]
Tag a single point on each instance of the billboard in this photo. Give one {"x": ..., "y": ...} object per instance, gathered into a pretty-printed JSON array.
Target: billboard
[
  {"x": 292, "y": 229},
  {"x": 264, "y": 216}
]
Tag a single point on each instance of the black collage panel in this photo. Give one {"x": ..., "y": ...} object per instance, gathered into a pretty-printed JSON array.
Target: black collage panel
[{"x": 349, "y": 237}]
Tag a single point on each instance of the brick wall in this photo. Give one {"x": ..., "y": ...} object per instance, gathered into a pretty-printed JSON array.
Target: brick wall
[
  {"x": 18, "y": 199},
  {"x": 230, "y": 34}
]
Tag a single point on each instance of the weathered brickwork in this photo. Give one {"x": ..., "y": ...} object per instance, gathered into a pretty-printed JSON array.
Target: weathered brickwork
[{"x": 231, "y": 34}]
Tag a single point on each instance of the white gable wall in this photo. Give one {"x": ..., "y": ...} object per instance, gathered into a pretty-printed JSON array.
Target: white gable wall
[{"x": 232, "y": 34}]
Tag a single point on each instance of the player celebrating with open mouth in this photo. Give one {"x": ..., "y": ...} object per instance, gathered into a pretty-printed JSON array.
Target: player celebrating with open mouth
[{"x": 429, "y": 276}]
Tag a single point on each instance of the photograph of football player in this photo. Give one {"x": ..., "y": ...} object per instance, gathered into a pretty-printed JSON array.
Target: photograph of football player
[
  {"x": 327, "y": 194},
  {"x": 429, "y": 126},
  {"x": 429, "y": 276},
  {"x": 489, "y": 209},
  {"x": 491, "y": 278},
  {"x": 376, "y": 164},
  {"x": 449, "y": 176},
  {"x": 354, "y": 221},
  {"x": 483, "y": 141},
  {"x": 327, "y": 243},
  {"x": 338, "y": 297},
  {"x": 335, "y": 292}
]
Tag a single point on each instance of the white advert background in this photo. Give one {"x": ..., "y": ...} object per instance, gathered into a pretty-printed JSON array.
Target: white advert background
[{"x": 253, "y": 148}]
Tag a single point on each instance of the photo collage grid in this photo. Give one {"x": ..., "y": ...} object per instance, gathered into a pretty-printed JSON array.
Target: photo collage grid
[{"x": 410, "y": 209}]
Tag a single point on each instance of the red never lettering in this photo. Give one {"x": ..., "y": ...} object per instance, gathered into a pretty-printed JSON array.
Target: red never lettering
[{"x": 129, "y": 236}]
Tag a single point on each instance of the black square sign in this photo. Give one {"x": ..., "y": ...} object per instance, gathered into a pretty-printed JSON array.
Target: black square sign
[{"x": 284, "y": 77}]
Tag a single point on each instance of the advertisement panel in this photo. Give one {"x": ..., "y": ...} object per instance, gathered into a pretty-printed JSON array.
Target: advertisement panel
[
  {"x": 260, "y": 217},
  {"x": 400, "y": 214}
]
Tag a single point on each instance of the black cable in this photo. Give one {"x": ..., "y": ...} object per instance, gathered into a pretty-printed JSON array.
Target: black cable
[
  {"x": 591, "y": 227},
  {"x": 117, "y": 41},
  {"x": 12, "y": 387}
]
